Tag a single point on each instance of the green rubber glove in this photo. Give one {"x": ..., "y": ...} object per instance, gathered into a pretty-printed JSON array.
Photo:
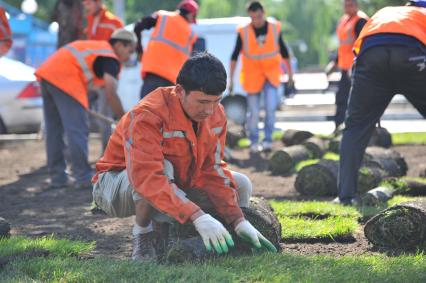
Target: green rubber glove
[
  {"x": 213, "y": 234},
  {"x": 247, "y": 232}
]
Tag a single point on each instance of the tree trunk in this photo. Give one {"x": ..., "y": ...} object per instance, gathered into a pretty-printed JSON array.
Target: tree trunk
[
  {"x": 316, "y": 146},
  {"x": 401, "y": 226},
  {"x": 69, "y": 15},
  {"x": 293, "y": 137},
  {"x": 282, "y": 161}
]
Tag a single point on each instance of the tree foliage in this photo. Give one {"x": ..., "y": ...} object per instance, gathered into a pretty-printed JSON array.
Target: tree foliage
[{"x": 309, "y": 25}]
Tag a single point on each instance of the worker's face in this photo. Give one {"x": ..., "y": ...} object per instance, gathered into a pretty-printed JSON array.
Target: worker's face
[
  {"x": 350, "y": 7},
  {"x": 257, "y": 18},
  {"x": 123, "y": 52},
  {"x": 197, "y": 104},
  {"x": 191, "y": 18},
  {"x": 92, "y": 6}
]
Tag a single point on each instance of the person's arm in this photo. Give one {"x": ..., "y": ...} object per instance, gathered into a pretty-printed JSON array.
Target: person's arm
[
  {"x": 286, "y": 59},
  {"x": 112, "y": 96},
  {"x": 233, "y": 63},
  {"x": 144, "y": 23},
  {"x": 359, "y": 25},
  {"x": 218, "y": 183},
  {"x": 6, "y": 41}
]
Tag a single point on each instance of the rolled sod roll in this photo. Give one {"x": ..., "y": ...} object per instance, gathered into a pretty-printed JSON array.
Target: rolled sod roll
[
  {"x": 370, "y": 177},
  {"x": 389, "y": 160},
  {"x": 283, "y": 161},
  {"x": 380, "y": 137},
  {"x": 400, "y": 226},
  {"x": 377, "y": 196},
  {"x": 334, "y": 144},
  {"x": 318, "y": 179},
  {"x": 409, "y": 187},
  {"x": 232, "y": 138},
  {"x": 186, "y": 244},
  {"x": 293, "y": 137},
  {"x": 316, "y": 146},
  {"x": 4, "y": 228}
]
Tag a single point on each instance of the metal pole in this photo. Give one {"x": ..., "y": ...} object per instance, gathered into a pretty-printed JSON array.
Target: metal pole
[{"x": 120, "y": 9}]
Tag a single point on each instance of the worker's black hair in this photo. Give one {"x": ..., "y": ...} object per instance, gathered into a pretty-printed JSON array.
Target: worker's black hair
[
  {"x": 203, "y": 72},
  {"x": 113, "y": 41},
  {"x": 254, "y": 6}
]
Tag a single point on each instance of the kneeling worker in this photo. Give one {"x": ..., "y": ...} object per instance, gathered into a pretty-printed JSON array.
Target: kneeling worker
[{"x": 172, "y": 141}]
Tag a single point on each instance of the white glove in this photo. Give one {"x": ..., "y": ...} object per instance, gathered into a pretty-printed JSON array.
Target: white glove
[
  {"x": 213, "y": 233},
  {"x": 247, "y": 232}
]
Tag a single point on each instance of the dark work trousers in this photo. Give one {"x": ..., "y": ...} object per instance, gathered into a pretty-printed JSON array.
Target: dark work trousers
[
  {"x": 379, "y": 73},
  {"x": 151, "y": 82},
  {"x": 64, "y": 115},
  {"x": 342, "y": 96}
]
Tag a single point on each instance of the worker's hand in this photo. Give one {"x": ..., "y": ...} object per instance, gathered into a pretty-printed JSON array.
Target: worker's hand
[
  {"x": 139, "y": 50},
  {"x": 231, "y": 87},
  {"x": 213, "y": 233},
  {"x": 290, "y": 82},
  {"x": 247, "y": 232}
]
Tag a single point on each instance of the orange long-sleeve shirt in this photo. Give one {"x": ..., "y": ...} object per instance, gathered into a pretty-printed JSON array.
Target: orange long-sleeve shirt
[{"x": 157, "y": 129}]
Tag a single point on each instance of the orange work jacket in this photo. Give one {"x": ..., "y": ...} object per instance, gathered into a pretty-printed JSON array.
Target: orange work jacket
[
  {"x": 5, "y": 33},
  {"x": 101, "y": 27},
  {"x": 169, "y": 47},
  {"x": 156, "y": 129},
  {"x": 71, "y": 68},
  {"x": 346, "y": 34},
  {"x": 406, "y": 20},
  {"x": 260, "y": 63}
]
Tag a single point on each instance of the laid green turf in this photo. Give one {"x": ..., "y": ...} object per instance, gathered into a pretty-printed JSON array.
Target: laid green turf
[
  {"x": 332, "y": 228},
  {"x": 314, "y": 220},
  {"x": 258, "y": 268},
  {"x": 319, "y": 208},
  {"x": 409, "y": 138},
  {"x": 59, "y": 247},
  {"x": 331, "y": 156}
]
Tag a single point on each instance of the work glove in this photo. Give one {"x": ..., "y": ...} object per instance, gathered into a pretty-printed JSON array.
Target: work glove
[
  {"x": 213, "y": 233},
  {"x": 247, "y": 232}
]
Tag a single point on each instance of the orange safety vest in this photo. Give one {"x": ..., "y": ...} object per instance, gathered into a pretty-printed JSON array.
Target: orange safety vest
[
  {"x": 346, "y": 34},
  {"x": 71, "y": 68},
  {"x": 406, "y": 20},
  {"x": 5, "y": 33},
  {"x": 169, "y": 47},
  {"x": 102, "y": 26},
  {"x": 260, "y": 63}
]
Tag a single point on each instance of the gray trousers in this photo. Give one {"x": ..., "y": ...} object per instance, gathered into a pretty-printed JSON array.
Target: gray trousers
[
  {"x": 102, "y": 106},
  {"x": 379, "y": 73},
  {"x": 63, "y": 115},
  {"x": 114, "y": 194}
]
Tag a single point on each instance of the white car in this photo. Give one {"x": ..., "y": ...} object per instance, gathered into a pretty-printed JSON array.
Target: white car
[{"x": 20, "y": 98}]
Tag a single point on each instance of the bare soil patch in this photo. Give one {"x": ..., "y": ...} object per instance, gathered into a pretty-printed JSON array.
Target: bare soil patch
[{"x": 33, "y": 210}]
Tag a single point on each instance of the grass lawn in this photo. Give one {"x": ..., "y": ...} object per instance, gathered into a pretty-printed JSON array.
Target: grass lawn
[
  {"x": 60, "y": 266},
  {"x": 316, "y": 221},
  {"x": 409, "y": 138}
]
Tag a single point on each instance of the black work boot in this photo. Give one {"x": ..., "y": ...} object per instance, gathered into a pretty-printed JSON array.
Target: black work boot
[{"x": 143, "y": 247}]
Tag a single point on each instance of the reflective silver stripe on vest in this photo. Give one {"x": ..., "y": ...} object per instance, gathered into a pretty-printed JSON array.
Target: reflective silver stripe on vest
[
  {"x": 129, "y": 143},
  {"x": 180, "y": 194},
  {"x": 80, "y": 57},
  {"x": 4, "y": 31},
  {"x": 160, "y": 37},
  {"x": 174, "y": 134},
  {"x": 108, "y": 26},
  {"x": 349, "y": 40},
  {"x": 217, "y": 161},
  {"x": 217, "y": 130},
  {"x": 265, "y": 55}
]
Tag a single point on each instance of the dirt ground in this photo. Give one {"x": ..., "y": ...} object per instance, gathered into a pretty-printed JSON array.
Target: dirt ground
[{"x": 34, "y": 211}]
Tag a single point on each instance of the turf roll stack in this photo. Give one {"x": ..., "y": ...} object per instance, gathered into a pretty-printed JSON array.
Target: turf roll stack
[
  {"x": 317, "y": 147},
  {"x": 388, "y": 160},
  {"x": 401, "y": 226},
  {"x": 293, "y": 137},
  {"x": 377, "y": 196},
  {"x": 283, "y": 161}
]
